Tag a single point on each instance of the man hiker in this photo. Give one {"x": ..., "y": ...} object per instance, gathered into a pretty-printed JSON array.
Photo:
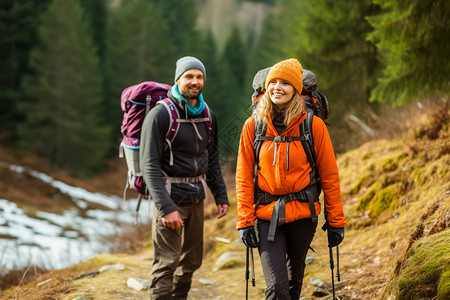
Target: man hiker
[{"x": 176, "y": 174}]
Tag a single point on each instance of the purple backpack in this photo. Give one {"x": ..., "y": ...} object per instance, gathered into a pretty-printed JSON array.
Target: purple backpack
[{"x": 136, "y": 101}]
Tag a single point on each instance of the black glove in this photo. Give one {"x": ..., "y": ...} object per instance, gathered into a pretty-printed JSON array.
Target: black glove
[
  {"x": 335, "y": 236},
  {"x": 248, "y": 236}
]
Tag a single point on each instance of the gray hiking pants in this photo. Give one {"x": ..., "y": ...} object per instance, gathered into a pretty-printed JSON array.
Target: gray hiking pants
[
  {"x": 177, "y": 254},
  {"x": 283, "y": 260}
]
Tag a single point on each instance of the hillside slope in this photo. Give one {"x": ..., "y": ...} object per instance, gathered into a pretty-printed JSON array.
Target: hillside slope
[{"x": 396, "y": 195}]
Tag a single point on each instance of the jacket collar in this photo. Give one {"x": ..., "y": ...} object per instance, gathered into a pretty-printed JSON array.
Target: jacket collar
[
  {"x": 191, "y": 110},
  {"x": 294, "y": 123}
]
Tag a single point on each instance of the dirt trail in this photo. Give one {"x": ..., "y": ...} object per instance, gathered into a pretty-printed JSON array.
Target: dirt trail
[{"x": 363, "y": 274}]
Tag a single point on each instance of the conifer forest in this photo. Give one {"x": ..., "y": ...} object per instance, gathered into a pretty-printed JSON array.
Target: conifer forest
[{"x": 66, "y": 62}]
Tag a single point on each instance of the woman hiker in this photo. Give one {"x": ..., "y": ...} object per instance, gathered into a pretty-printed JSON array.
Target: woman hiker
[{"x": 279, "y": 213}]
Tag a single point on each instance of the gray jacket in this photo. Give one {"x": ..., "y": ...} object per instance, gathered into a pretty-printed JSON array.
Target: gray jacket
[{"x": 191, "y": 157}]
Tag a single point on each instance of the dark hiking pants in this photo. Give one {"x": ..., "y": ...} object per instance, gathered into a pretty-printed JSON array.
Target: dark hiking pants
[
  {"x": 178, "y": 253},
  {"x": 283, "y": 260}
]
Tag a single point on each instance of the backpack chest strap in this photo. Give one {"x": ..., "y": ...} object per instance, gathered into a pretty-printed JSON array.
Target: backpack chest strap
[
  {"x": 280, "y": 139},
  {"x": 193, "y": 122}
]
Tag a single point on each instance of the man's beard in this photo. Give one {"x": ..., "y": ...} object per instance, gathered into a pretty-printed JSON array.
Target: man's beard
[{"x": 187, "y": 95}]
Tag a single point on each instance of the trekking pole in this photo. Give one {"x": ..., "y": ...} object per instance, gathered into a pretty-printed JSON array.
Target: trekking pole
[
  {"x": 253, "y": 267},
  {"x": 246, "y": 275},
  {"x": 325, "y": 227},
  {"x": 338, "y": 275},
  {"x": 332, "y": 275}
]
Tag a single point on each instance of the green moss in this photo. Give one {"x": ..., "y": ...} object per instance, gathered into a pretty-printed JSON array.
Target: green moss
[
  {"x": 359, "y": 184},
  {"x": 384, "y": 200},
  {"x": 365, "y": 200},
  {"x": 426, "y": 269},
  {"x": 443, "y": 291},
  {"x": 392, "y": 163},
  {"x": 432, "y": 170},
  {"x": 417, "y": 175}
]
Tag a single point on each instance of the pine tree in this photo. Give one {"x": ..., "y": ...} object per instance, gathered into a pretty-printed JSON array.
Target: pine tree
[
  {"x": 181, "y": 18},
  {"x": 329, "y": 38},
  {"x": 208, "y": 55},
  {"x": 18, "y": 23},
  {"x": 268, "y": 49},
  {"x": 215, "y": 91},
  {"x": 235, "y": 55},
  {"x": 234, "y": 93},
  {"x": 96, "y": 14},
  {"x": 63, "y": 119},
  {"x": 412, "y": 37},
  {"x": 137, "y": 50}
]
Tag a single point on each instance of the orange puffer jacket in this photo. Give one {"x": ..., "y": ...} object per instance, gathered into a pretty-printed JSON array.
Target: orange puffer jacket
[{"x": 279, "y": 180}]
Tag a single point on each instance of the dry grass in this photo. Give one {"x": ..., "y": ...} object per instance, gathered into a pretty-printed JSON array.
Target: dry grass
[
  {"x": 371, "y": 257},
  {"x": 419, "y": 163}
]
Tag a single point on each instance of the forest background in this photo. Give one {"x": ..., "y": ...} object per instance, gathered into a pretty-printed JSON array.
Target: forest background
[{"x": 66, "y": 62}]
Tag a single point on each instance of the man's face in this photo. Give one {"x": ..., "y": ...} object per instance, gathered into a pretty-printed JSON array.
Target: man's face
[{"x": 190, "y": 84}]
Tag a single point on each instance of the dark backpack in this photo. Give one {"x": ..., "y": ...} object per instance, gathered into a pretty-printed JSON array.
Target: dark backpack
[
  {"x": 315, "y": 101},
  {"x": 315, "y": 104},
  {"x": 136, "y": 101}
]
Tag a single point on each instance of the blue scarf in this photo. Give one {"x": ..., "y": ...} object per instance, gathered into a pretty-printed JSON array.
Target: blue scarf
[{"x": 192, "y": 110}]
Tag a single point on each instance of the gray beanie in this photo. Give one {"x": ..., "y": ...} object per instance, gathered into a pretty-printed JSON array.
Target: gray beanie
[{"x": 187, "y": 63}]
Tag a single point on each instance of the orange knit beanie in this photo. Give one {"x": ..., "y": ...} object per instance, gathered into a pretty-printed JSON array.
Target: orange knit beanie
[{"x": 290, "y": 70}]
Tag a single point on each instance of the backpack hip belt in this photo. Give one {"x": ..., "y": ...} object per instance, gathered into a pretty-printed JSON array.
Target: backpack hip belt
[
  {"x": 187, "y": 180},
  {"x": 310, "y": 194}
]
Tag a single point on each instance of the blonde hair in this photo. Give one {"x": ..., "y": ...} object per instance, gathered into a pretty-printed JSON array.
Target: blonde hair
[{"x": 265, "y": 107}]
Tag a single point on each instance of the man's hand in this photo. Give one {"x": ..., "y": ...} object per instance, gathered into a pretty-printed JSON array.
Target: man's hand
[
  {"x": 223, "y": 210},
  {"x": 172, "y": 220}
]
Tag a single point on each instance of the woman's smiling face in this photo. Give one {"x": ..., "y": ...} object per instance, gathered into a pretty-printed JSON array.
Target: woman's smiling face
[{"x": 280, "y": 92}]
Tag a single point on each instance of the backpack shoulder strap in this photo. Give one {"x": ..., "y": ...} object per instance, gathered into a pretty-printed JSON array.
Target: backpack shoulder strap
[
  {"x": 206, "y": 113},
  {"x": 258, "y": 138},
  {"x": 174, "y": 125},
  {"x": 258, "y": 134},
  {"x": 308, "y": 142},
  {"x": 174, "y": 116}
]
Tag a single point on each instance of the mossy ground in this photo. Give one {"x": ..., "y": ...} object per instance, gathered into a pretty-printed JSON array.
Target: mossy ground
[
  {"x": 396, "y": 195},
  {"x": 423, "y": 275}
]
